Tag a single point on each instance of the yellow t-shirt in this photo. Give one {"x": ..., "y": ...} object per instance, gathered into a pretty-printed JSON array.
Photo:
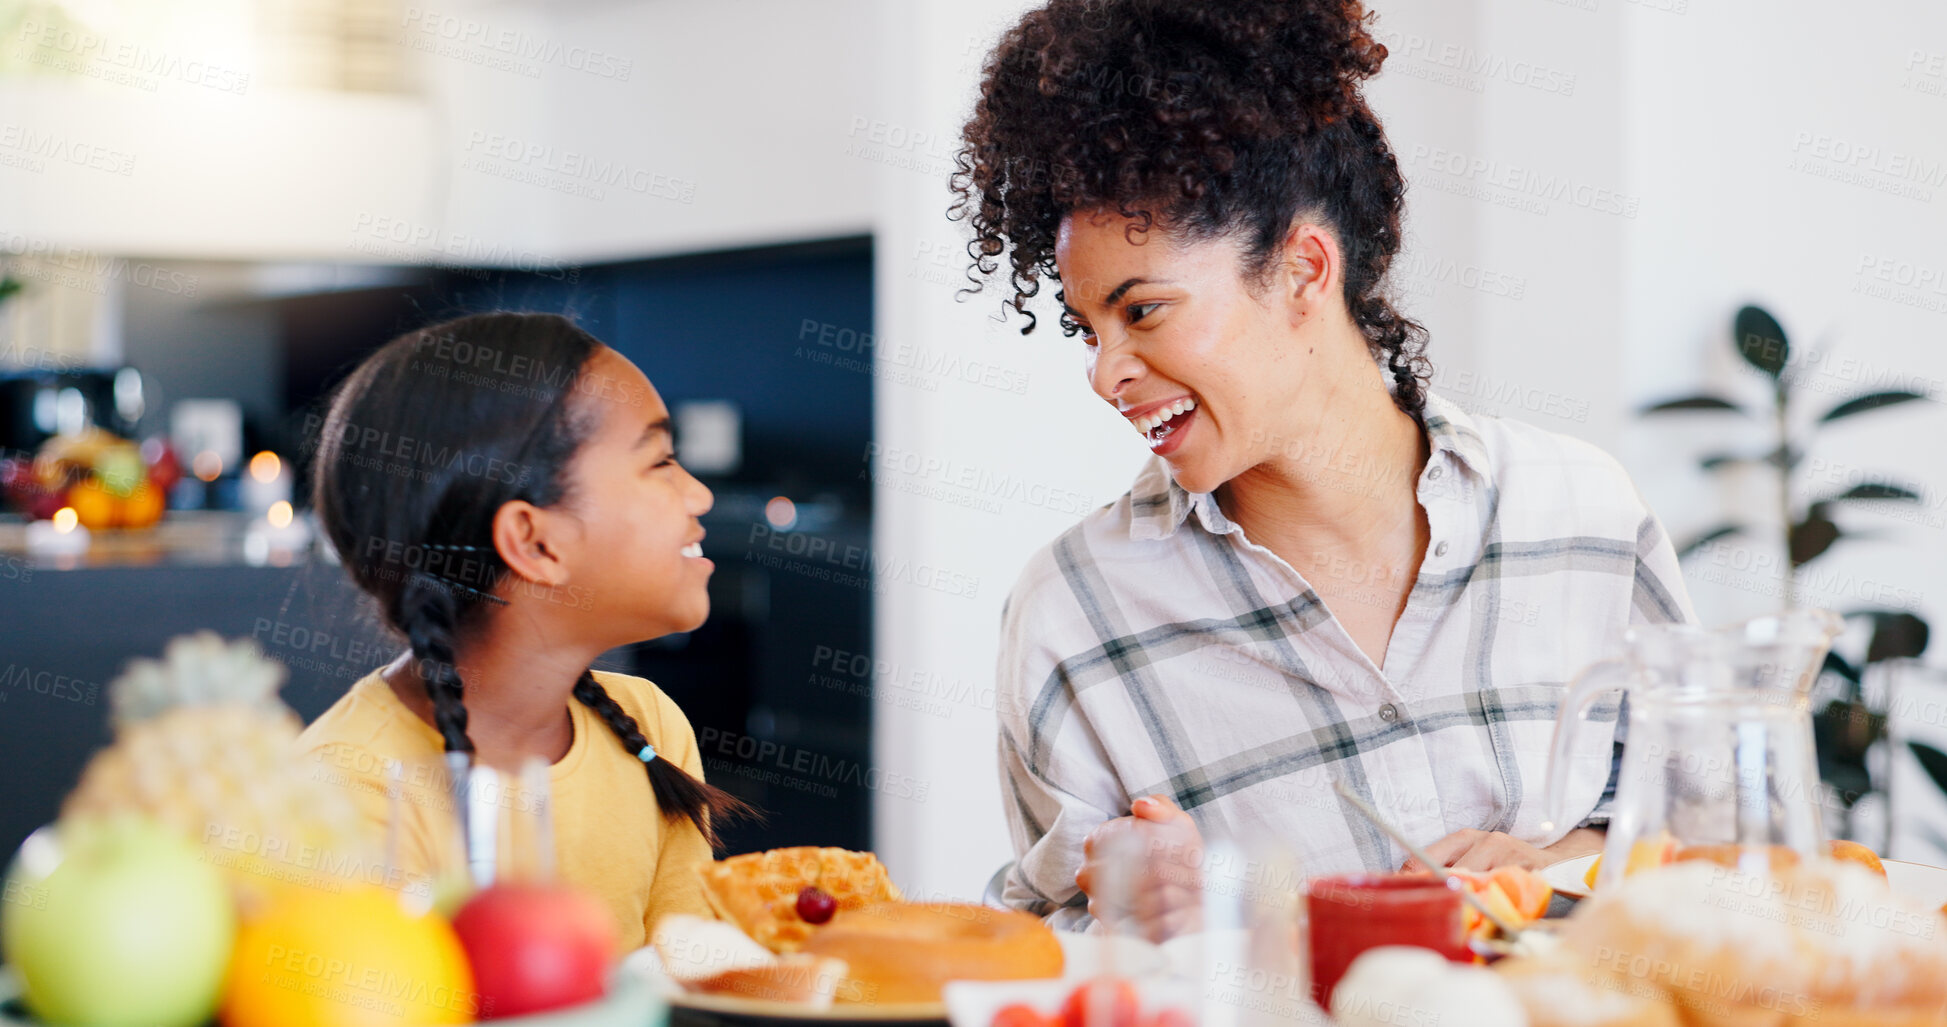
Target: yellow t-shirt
[{"x": 611, "y": 840}]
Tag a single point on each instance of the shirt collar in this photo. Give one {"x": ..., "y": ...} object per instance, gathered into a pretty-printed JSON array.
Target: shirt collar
[{"x": 1158, "y": 505}]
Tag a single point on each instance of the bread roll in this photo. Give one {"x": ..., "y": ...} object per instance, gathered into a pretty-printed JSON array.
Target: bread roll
[
  {"x": 1563, "y": 990},
  {"x": 1818, "y": 943},
  {"x": 901, "y": 952}
]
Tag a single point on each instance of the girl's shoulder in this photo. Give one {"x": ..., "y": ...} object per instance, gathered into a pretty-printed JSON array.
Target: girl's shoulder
[{"x": 370, "y": 717}]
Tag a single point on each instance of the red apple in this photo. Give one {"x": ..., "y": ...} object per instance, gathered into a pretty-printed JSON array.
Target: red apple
[
  {"x": 27, "y": 492},
  {"x": 45, "y": 504},
  {"x": 535, "y": 948},
  {"x": 164, "y": 469}
]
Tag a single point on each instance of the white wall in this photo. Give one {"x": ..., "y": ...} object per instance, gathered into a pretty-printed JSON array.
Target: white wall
[
  {"x": 746, "y": 109},
  {"x": 1733, "y": 105},
  {"x": 533, "y": 136},
  {"x": 192, "y": 173}
]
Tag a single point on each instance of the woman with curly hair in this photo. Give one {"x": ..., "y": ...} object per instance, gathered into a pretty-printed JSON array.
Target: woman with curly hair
[{"x": 1323, "y": 571}]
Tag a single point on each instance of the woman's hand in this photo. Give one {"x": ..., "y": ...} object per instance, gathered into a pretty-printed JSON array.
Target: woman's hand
[
  {"x": 1157, "y": 852},
  {"x": 1472, "y": 849}
]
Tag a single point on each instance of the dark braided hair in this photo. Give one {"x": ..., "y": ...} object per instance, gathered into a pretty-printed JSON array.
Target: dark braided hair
[
  {"x": 1208, "y": 118},
  {"x": 421, "y": 446}
]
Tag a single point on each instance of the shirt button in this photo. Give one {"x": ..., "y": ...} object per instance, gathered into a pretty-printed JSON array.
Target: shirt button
[
  {"x": 1389, "y": 713},
  {"x": 1433, "y": 474},
  {"x": 1440, "y": 550}
]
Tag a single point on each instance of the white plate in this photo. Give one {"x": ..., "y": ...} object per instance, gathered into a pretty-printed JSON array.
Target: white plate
[
  {"x": 1914, "y": 880},
  {"x": 1083, "y": 956},
  {"x": 1566, "y": 876}
]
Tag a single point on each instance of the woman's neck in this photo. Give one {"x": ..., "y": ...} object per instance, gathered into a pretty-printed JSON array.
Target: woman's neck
[
  {"x": 517, "y": 686},
  {"x": 1348, "y": 479}
]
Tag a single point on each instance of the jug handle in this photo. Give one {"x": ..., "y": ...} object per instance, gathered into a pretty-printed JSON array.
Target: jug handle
[{"x": 1595, "y": 680}]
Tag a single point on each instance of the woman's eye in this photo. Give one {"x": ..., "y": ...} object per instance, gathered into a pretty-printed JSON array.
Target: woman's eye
[{"x": 1138, "y": 311}]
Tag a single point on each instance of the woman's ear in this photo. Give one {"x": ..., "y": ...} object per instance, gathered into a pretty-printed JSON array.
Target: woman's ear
[
  {"x": 1309, "y": 266},
  {"x": 531, "y": 542}
]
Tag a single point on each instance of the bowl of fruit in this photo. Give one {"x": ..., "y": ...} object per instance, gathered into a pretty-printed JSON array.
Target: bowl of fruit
[
  {"x": 139, "y": 906},
  {"x": 109, "y": 481}
]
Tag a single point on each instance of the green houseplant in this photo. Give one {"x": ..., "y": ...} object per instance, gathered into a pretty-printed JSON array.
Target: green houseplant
[{"x": 1847, "y": 726}]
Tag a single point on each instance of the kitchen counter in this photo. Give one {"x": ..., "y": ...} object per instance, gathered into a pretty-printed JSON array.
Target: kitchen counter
[{"x": 182, "y": 538}]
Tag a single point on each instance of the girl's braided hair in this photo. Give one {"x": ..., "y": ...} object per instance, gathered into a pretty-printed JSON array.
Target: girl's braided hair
[{"x": 418, "y": 451}]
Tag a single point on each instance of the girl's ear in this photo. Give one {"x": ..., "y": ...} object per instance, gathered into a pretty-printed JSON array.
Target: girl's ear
[{"x": 531, "y": 542}]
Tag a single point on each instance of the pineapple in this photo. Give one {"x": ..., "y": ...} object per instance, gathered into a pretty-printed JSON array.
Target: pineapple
[{"x": 204, "y": 746}]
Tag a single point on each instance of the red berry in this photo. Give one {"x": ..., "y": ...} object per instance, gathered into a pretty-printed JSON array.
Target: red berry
[
  {"x": 1102, "y": 1002},
  {"x": 814, "y": 906},
  {"x": 1020, "y": 1015}
]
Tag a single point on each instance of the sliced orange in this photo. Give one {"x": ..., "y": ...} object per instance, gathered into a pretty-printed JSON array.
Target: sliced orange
[
  {"x": 1644, "y": 854},
  {"x": 1525, "y": 889},
  {"x": 1853, "y": 852},
  {"x": 1487, "y": 886}
]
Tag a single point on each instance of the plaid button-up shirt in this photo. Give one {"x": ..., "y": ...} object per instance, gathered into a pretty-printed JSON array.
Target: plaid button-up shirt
[{"x": 1152, "y": 648}]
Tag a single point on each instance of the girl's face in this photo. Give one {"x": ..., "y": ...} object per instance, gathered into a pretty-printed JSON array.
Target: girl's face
[
  {"x": 1173, "y": 326},
  {"x": 639, "y": 553}
]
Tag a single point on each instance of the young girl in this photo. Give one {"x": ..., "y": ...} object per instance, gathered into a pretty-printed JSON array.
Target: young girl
[{"x": 505, "y": 487}]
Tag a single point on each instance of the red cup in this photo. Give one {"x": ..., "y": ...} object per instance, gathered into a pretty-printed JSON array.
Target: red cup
[{"x": 1351, "y": 913}]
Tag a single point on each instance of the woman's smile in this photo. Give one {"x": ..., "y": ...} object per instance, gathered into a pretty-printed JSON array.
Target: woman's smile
[{"x": 1164, "y": 423}]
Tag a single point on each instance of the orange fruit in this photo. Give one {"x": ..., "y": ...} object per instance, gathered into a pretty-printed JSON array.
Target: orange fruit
[
  {"x": 1853, "y": 852},
  {"x": 94, "y": 505},
  {"x": 1515, "y": 894},
  {"x": 320, "y": 958},
  {"x": 1525, "y": 890},
  {"x": 1727, "y": 855},
  {"x": 1644, "y": 854},
  {"x": 143, "y": 507}
]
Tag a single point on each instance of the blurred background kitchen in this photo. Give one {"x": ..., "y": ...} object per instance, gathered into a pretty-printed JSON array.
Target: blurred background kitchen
[{"x": 210, "y": 209}]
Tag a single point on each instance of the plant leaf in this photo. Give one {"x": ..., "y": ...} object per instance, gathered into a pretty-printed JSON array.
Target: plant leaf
[
  {"x": 1870, "y": 401},
  {"x": 1760, "y": 340},
  {"x": 1933, "y": 761},
  {"x": 8, "y": 286},
  {"x": 1697, "y": 402},
  {"x": 1876, "y": 490},
  {"x": 1897, "y": 635},
  {"x": 1837, "y": 665},
  {"x": 1813, "y": 536},
  {"x": 1716, "y": 460},
  {"x": 1707, "y": 538}
]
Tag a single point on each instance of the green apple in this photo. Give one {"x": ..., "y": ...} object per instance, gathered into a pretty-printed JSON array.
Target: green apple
[{"x": 118, "y": 923}]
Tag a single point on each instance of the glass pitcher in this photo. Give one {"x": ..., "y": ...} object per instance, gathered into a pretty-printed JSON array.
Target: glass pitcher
[{"x": 1719, "y": 746}]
